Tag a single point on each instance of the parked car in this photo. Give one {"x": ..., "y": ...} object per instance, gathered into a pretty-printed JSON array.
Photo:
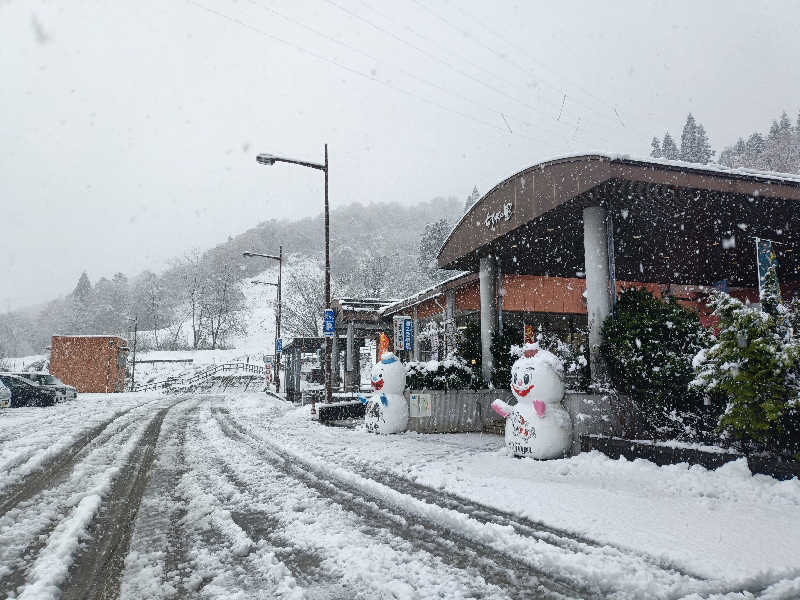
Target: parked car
[
  {"x": 5, "y": 396},
  {"x": 26, "y": 393},
  {"x": 46, "y": 379}
]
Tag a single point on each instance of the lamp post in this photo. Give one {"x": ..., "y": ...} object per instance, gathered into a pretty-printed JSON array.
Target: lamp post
[
  {"x": 279, "y": 258},
  {"x": 271, "y": 159}
]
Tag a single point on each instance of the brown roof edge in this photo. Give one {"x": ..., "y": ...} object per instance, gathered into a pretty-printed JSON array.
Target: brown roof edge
[
  {"x": 429, "y": 293},
  {"x": 741, "y": 181}
]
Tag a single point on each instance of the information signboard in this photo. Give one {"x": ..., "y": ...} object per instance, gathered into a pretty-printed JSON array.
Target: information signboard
[
  {"x": 403, "y": 333},
  {"x": 278, "y": 345},
  {"x": 328, "y": 322}
]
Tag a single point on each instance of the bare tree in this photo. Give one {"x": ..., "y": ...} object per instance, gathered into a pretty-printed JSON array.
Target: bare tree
[
  {"x": 222, "y": 303},
  {"x": 303, "y": 301}
]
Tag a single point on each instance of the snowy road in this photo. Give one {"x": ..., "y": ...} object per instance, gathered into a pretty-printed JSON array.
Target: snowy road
[{"x": 203, "y": 496}]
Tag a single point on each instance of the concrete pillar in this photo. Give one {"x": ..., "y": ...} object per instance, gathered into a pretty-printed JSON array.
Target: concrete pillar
[
  {"x": 348, "y": 357},
  {"x": 450, "y": 322},
  {"x": 335, "y": 361},
  {"x": 416, "y": 334},
  {"x": 598, "y": 299},
  {"x": 487, "y": 274}
]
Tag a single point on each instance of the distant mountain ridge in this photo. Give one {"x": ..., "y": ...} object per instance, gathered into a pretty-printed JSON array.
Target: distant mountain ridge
[{"x": 374, "y": 252}]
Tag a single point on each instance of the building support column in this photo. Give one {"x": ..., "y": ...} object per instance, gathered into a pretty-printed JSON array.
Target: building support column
[
  {"x": 348, "y": 357},
  {"x": 415, "y": 325},
  {"x": 487, "y": 274},
  {"x": 335, "y": 361},
  {"x": 598, "y": 298},
  {"x": 450, "y": 323}
]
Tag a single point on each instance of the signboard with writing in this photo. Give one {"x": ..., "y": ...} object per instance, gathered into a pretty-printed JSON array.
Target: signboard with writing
[
  {"x": 403, "y": 333},
  {"x": 278, "y": 346},
  {"x": 328, "y": 322},
  {"x": 420, "y": 405}
]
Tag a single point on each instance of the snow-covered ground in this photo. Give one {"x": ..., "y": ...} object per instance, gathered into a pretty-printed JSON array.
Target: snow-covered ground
[{"x": 244, "y": 496}]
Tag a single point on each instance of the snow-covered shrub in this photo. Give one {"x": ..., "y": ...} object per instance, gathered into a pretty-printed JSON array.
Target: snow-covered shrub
[
  {"x": 502, "y": 343},
  {"x": 450, "y": 374},
  {"x": 753, "y": 367},
  {"x": 576, "y": 360},
  {"x": 469, "y": 350},
  {"x": 648, "y": 345}
]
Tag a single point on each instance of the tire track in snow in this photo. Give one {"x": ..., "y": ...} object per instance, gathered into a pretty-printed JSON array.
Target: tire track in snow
[
  {"x": 566, "y": 540},
  {"x": 96, "y": 571},
  {"x": 425, "y": 533},
  {"x": 56, "y": 470}
]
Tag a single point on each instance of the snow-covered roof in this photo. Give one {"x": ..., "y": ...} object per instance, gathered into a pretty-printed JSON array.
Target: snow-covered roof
[
  {"x": 429, "y": 291},
  {"x": 711, "y": 168}
]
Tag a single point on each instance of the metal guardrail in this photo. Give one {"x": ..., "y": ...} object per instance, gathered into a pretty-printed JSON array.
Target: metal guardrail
[{"x": 200, "y": 376}]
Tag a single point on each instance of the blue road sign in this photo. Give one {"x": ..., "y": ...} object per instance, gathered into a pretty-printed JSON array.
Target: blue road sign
[
  {"x": 328, "y": 321},
  {"x": 278, "y": 346}
]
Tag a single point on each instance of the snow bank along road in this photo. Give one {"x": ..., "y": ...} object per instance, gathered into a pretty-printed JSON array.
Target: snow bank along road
[{"x": 137, "y": 496}]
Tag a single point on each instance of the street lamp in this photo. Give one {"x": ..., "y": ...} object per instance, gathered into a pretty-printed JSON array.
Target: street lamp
[
  {"x": 279, "y": 258},
  {"x": 271, "y": 159}
]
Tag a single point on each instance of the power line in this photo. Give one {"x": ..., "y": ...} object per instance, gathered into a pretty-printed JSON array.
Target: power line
[
  {"x": 406, "y": 72},
  {"x": 352, "y": 70},
  {"x": 492, "y": 87},
  {"x": 541, "y": 64}
]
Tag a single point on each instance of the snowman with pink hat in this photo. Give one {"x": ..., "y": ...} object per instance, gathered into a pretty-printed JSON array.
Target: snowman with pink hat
[{"x": 537, "y": 426}]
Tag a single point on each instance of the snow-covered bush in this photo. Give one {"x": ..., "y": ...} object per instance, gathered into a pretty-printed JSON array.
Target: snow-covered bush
[
  {"x": 450, "y": 374},
  {"x": 576, "y": 362},
  {"x": 469, "y": 350},
  {"x": 648, "y": 345},
  {"x": 753, "y": 367}
]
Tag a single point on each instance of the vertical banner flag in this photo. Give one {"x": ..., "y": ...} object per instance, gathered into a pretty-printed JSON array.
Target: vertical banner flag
[
  {"x": 529, "y": 335},
  {"x": 765, "y": 258},
  {"x": 383, "y": 345}
]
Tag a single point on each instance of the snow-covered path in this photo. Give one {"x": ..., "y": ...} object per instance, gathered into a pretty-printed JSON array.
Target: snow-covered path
[{"x": 241, "y": 496}]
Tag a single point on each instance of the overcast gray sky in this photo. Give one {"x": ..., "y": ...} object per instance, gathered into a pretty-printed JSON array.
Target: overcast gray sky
[{"x": 129, "y": 129}]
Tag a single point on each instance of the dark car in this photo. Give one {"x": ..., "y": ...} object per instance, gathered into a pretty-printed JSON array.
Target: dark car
[
  {"x": 66, "y": 392},
  {"x": 26, "y": 393}
]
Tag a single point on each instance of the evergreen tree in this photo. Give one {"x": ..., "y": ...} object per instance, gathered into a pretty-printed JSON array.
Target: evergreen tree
[
  {"x": 688, "y": 150},
  {"x": 469, "y": 349},
  {"x": 502, "y": 342},
  {"x": 430, "y": 242},
  {"x": 648, "y": 345},
  {"x": 471, "y": 199},
  {"x": 703, "y": 152},
  {"x": 753, "y": 367},
  {"x": 668, "y": 147},
  {"x": 655, "y": 148}
]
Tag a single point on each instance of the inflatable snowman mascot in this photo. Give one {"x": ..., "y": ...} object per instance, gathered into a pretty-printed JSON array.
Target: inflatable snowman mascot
[
  {"x": 387, "y": 411},
  {"x": 537, "y": 426}
]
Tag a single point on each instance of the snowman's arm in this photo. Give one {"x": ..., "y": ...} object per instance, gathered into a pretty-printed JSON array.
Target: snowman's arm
[
  {"x": 384, "y": 399},
  {"x": 363, "y": 400},
  {"x": 501, "y": 408}
]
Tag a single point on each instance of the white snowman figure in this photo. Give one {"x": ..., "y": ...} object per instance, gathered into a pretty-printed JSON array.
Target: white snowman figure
[
  {"x": 387, "y": 410},
  {"x": 538, "y": 425}
]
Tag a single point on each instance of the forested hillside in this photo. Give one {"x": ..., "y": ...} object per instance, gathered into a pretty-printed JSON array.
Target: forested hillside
[{"x": 375, "y": 251}]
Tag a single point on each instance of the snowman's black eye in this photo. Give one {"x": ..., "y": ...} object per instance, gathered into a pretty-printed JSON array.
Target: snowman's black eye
[{"x": 527, "y": 378}]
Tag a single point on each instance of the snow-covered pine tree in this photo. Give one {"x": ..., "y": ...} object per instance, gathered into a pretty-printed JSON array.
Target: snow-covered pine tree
[
  {"x": 655, "y": 148},
  {"x": 703, "y": 152},
  {"x": 668, "y": 148},
  {"x": 688, "y": 150},
  {"x": 471, "y": 199},
  {"x": 753, "y": 368}
]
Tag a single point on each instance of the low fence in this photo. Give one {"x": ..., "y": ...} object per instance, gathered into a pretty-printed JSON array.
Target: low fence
[
  {"x": 432, "y": 411},
  {"x": 202, "y": 376}
]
